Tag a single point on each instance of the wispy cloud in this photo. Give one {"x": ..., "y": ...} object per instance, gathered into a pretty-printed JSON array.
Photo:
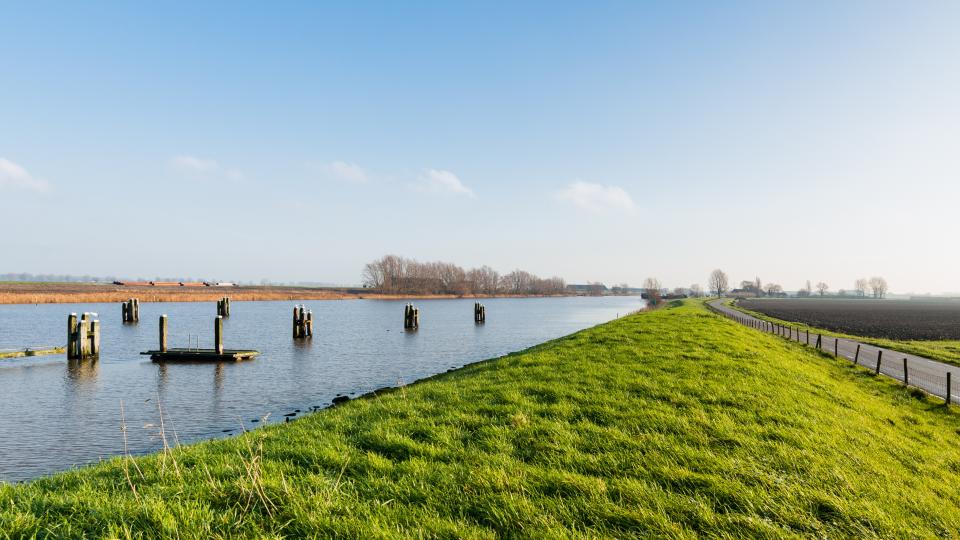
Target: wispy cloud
[
  {"x": 597, "y": 197},
  {"x": 15, "y": 177},
  {"x": 440, "y": 181},
  {"x": 349, "y": 172},
  {"x": 192, "y": 165}
]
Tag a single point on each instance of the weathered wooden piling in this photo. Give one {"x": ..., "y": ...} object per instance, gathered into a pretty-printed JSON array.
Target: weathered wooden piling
[
  {"x": 163, "y": 333},
  {"x": 218, "y": 334},
  {"x": 302, "y": 322},
  {"x": 411, "y": 317},
  {"x": 130, "y": 310},
  {"x": 479, "y": 313},
  {"x": 83, "y": 336},
  {"x": 223, "y": 307}
]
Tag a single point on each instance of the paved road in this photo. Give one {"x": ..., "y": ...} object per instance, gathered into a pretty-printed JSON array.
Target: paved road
[{"x": 929, "y": 375}]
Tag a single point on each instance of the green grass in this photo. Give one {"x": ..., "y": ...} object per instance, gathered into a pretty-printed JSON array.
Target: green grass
[
  {"x": 946, "y": 350},
  {"x": 673, "y": 423}
]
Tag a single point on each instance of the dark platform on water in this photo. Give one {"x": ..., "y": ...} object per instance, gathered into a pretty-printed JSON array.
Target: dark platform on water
[{"x": 200, "y": 355}]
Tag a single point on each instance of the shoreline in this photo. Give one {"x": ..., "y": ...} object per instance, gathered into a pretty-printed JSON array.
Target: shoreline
[{"x": 81, "y": 293}]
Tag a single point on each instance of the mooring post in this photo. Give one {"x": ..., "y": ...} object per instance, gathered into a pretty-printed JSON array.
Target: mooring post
[
  {"x": 83, "y": 336},
  {"x": 163, "y": 333},
  {"x": 136, "y": 309},
  {"x": 309, "y": 324},
  {"x": 218, "y": 334},
  {"x": 906, "y": 377},
  {"x": 95, "y": 337},
  {"x": 296, "y": 327},
  {"x": 856, "y": 356},
  {"x": 72, "y": 336},
  {"x": 879, "y": 357}
]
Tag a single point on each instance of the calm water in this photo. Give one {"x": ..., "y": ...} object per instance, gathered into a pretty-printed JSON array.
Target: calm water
[{"x": 59, "y": 414}]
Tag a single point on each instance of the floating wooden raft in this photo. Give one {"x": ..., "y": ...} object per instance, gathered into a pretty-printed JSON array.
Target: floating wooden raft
[{"x": 200, "y": 355}]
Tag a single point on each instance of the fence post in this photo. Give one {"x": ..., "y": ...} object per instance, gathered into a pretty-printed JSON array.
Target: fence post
[
  {"x": 836, "y": 345},
  {"x": 820, "y": 342},
  {"x": 906, "y": 378},
  {"x": 808, "y": 337},
  {"x": 948, "y": 388},
  {"x": 879, "y": 356},
  {"x": 856, "y": 357}
]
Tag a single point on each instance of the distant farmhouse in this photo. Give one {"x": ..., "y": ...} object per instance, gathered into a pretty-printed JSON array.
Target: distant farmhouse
[{"x": 589, "y": 289}]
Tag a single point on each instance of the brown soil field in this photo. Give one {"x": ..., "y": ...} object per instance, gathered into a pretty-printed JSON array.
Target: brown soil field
[
  {"x": 890, "y": 319},
  {"x": 67, "y": 293}
]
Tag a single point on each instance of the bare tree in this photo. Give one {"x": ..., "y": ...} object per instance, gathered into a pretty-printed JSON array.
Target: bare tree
[
  {"x": 861, "y": 286},
  {"x": 651, "y": 286},
  {"x": 696, "y": 290},
  {"x": 878, "y": 286},
  {"x": 822, "y": 288},
  {"x": 773, "y": 289},
  {"x": 806, "y": 290},
  {"x": 719, "y": 282},
  {"x": 758, "y": 286}
]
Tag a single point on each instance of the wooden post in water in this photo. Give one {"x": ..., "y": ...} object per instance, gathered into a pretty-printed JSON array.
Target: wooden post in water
[
  {"x": 411, "y": 317},
  {"x": 223, "y": 307},
  {"x": 72, "y": 337},
  {"x": 906, "y": 377},
  {"x": 95, "y": 337},
  {"x": 856, "y": 356},
  {"x": 163, "y": 333},
  {"x": 479, "y": 313},
  {"x": 130, "y": 310},
  {"x": 302, "y": 322},
  {"x": 83, "y": 331},
  {"x": 218, "y": 334},
  {"x": 879, "y": 357}
]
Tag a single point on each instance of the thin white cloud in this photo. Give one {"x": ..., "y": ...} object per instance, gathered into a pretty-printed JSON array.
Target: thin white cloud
[
  {"x": 440, "y": 181},
  {"x": 596, "y": 197},
  {"x": 349, "y": 172},
  {"x": 15, "y": 177},
  {"x": 192, "y": 165}
]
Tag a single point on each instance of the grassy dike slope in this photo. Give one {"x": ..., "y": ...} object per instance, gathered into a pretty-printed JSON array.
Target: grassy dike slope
[{"x": 671, "y": 423}]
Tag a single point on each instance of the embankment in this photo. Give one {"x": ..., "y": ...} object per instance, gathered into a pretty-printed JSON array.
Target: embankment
[{"x": 672, "y": 423}]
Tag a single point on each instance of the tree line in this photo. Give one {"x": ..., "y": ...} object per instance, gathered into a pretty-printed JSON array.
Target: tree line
[
  {"x": 393, "y": 274},
  {"x": 876, "y": 287}
]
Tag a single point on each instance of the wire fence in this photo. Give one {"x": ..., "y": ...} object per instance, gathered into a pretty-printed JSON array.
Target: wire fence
[{"x": 928, "y": 375}]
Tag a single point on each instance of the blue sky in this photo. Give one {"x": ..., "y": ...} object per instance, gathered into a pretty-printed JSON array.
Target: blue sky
[{"x": 595, "y": 141}]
